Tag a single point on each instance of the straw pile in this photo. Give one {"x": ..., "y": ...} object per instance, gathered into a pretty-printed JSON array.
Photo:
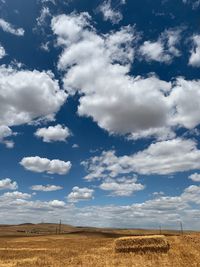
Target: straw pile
[{"x": 142, "y": 244}]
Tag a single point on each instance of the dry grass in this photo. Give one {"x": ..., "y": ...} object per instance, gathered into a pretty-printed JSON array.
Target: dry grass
[
  {"x": 93, "y": 250},
  {"x": 142, "y": 244}
]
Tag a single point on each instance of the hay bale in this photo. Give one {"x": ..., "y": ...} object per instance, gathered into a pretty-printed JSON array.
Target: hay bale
[{"x": 142, "y": 244}]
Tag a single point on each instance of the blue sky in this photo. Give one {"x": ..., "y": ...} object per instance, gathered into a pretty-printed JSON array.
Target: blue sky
[{"x": 100, "y": 112}]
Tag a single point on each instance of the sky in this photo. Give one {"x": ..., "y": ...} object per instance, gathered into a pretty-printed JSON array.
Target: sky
[{"x": 100, "y": 112}]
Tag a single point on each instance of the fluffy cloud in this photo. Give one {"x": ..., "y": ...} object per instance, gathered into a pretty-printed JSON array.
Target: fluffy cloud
[
  {"x": 191, "y": 194},
  {"x": 46, "y": 188},
  {"x": 165, "y": 210},
  {"x": 110, "y": 12},
  {"x": 154, "y": 51},
  {"x": 98, "y": 67},
  {"x": 194, "y": 59},
  {"x": 44, "y": 14},
  {"x": 79, "y": 194},
  {"x": 28, "y": 95},
  {"x": 162, "y": 50},
  {"x": 185, "y": 102},
  {"x": 53, "y": 133},
  {"x": 123, "y": 186},
  {"x": 7, "y": 27},
  {"x": 56, "y": 203},
  {"x": 37, "y": 164},
  {"x": 7, "y": 183},
  {"x": 2, "y": 52},
  {"x": 14, "y": 195},
  {"x": 164, "y": 157},
  {"x": 195, "y": 177},
  {"x": 6, "y": 132}
]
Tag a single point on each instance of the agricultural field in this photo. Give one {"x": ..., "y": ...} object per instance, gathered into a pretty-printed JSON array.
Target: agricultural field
[{"x": 90, "y": 247}]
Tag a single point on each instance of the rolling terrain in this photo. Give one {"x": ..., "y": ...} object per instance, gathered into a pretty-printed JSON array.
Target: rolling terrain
[{"x": 32, "y": 245}]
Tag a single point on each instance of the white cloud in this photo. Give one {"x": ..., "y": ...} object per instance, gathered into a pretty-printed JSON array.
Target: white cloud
[
  {"x": 57, "y": 203},
  {"x": 7, "y": 183},
  {"x": 162, "y": 133},
  {"x": 44, "y": 14},
  {"x": 15, "y": 195},
  {"x": 194, "y": 59},
  {"x": 46, "y": 1},
  {"x": 6, "y": 132},
  {"x": 28, "y": 95},
  {"x": 79, "y": 194},
  {"x": 46, "y": 188},
  {"x": 154, "y": 51},
  {"x": 37, "y": 164},
  {"x": 124, "y": 186},
  {"x": 191, "y": 194},
  {"x": 108, "y": 93},
  {"x": 195, "y": 177},
  {"x": 2, "y": 52},
  {"x": 162, "y": 158},
  {"x": 75, "y": 146},
  {"x": 7, "y": 27},
  {"x": 164, "y": 49},
  {"x": 164, "y": 210},
  {"x": 45, "y": 46},
  {"x": 110, "y": 12},
  {"x": 185, "y": 103},
  {"x": 53, "y": 133},
  {"x": 97, "y": 67}
]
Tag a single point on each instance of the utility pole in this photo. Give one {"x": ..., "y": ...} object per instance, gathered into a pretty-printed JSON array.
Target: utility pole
[
  {"x": 59, "y": 231},
  {"x": 181, "y": 225}
]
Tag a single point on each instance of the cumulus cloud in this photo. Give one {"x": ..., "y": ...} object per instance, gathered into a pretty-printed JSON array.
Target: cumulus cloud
[
  {"x": 53, "y": 133},
  {"x": 57, "y": 203},
  {"x": 194, "y": 59},
  {"x": 195, "y": 177},
  {"x": 191, "y": 194},
  {"x": 79, "y": 194},
  {"x": 6, "y": 132},
  {"x": 2, "y": 52},
  {"x": 124, "y": 186},
  {"x": 111, "y": 12},
  {"x": 28, "y": 95},
  {"x": 7, "y": 183},
  {"x": 185, "y": 102},
  {"x": 7, "y": 27},
  {"x": 165, "y": 210},
  {"x": 37, "y": 164},
  {"x": 165, "y": 157},
  {"x": 162, "y": 133},
  {"x": 46, "y": 188},
  {"x": 97, "y": 66},
  {"x": 164, "y": 49},
  {"x": 14, "y": 196}
]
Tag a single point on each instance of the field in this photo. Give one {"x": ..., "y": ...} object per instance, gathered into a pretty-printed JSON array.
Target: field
[{"x": 89, "y": 247}]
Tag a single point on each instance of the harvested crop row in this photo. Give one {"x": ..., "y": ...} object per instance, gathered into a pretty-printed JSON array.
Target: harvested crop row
[{"x": 156, "y": 243}]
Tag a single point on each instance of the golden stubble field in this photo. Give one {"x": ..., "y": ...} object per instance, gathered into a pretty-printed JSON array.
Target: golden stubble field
[{"x": 93, "y": 249}]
